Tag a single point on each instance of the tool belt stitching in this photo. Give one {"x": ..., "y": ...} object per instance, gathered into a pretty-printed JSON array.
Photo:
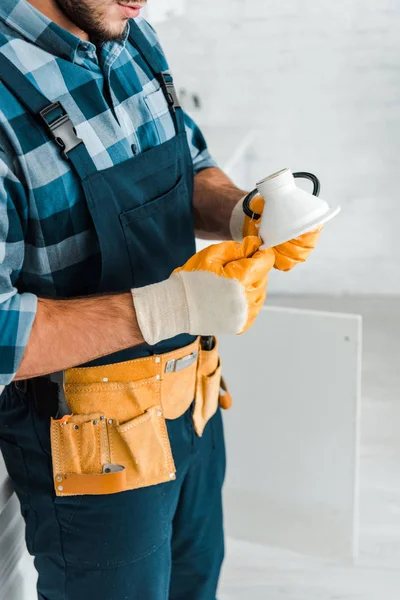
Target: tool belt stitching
[
  {"x": 166, "y": 445},
  {"x": 138, "y": 421},
  {"x": 97, "y": 434},
  {"x": 104, "y": 388}
]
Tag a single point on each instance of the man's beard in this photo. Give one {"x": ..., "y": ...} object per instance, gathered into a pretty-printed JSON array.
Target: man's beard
[{"x": 83, "y": 14}]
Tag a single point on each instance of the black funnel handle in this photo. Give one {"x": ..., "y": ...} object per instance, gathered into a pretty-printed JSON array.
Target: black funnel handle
[
  {"x": 246, "y": 206},
  {"x": 301, "y": 175},
  {"x": 311, "y": 177}
]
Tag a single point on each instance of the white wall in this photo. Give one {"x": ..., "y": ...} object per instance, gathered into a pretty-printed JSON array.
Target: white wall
[{"x": 320, "y": 80}]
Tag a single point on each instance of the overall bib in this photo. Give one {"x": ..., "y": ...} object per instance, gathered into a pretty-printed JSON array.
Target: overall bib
[{"x": 158, "y": 542}]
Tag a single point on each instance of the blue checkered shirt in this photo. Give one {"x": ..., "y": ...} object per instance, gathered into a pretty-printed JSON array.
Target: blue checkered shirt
[{"x": 48, "y": 244}]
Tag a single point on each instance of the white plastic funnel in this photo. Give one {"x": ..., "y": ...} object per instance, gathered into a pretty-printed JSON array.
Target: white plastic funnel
[{"x": 289, "y": 211}]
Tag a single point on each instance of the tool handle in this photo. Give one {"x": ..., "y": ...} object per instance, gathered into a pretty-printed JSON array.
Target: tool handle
[{"x": 207, "y": 342}]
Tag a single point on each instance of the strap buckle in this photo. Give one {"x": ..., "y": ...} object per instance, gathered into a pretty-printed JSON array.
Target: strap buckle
[
  {"x": 167, "y": 84},
  {"x": 61, "y": 128},
  {"x": 174, "y": 365}
]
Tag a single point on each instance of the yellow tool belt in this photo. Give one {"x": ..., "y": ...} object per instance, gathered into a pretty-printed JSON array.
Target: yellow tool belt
[{"x": 116, "y": 438}]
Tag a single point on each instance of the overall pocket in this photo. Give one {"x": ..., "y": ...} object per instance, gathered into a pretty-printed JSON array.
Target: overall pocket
[{"x": 159, "y": 235}]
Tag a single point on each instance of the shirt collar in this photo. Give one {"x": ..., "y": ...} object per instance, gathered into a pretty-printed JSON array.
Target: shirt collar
[{"x": 30, "y": 23}]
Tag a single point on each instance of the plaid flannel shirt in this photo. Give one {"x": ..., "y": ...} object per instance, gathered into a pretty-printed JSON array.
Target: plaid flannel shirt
[{"x": 48, "y": 245}]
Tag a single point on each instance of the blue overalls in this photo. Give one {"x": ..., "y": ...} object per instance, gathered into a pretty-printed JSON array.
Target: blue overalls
[{"x": 154, "y": 543}]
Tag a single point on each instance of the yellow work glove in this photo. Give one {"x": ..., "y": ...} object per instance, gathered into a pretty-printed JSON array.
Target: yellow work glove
[
  {"x": 219, "y": 290},
  {"x": 287, "y": 255},
  {"x": 290, "y": 254}
]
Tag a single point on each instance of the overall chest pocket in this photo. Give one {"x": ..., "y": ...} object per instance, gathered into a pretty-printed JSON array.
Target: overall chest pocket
[{"x": 159, "y": 235}]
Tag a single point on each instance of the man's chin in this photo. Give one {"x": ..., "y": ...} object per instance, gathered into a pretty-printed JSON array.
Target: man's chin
[{"x": 115, "y": 34}]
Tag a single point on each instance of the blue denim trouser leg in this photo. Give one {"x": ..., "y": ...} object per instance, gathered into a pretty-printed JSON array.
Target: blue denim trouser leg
[{"x": 157, "y": 543}]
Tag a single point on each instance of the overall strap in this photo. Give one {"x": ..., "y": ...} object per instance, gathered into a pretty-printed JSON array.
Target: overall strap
[
  {"x": 165, "y": 79},
  {"x": 50, "y": 115}
]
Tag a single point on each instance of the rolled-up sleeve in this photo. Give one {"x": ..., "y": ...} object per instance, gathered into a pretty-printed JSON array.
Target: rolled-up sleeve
[{"x": 17, "y": 311}]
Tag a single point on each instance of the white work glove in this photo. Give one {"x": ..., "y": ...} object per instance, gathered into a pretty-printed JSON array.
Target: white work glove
[{"x": 219, "y": 290}]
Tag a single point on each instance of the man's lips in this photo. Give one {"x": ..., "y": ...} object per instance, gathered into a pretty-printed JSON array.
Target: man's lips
[{"x": 131, "y": 10}]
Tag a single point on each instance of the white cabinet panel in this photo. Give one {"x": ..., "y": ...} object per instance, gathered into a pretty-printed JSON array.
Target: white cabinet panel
[{"x": 293, "y": 432}]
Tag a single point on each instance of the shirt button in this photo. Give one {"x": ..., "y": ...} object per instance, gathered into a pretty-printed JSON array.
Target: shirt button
[{"x": 134, "y": 149}]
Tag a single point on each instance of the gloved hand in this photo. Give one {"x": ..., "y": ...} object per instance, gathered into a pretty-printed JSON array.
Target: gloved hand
[
  {"x": 289, "y": 254},
  {"x": 219, "y": 290}
]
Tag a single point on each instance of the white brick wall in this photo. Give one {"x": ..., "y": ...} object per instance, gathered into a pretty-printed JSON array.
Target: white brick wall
[{"x": 320, "y": 81}]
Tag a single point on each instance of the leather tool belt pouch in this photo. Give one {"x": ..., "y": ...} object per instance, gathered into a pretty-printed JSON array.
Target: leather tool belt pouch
[
  {"x": 116, "y": 438},
  {"x": 211, "y": 389}
]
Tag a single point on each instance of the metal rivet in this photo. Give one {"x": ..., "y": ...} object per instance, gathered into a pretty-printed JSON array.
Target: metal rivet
[
  {"x": 172, "y": 475},
  {"x": 60, "y": 488},
  {"x": 158, "y": 359},
  {"x": 160, "y": 413},
  {"x": 76, "y": 426},
  {"x": 59, "y": 479},
  {"x": 102, "y": 418},
  {"x": 157, "y": 377},
  {"x": 95, "y": 422},
  {"x": 110, "y": 421},
  {"x": 105, "y": 379}
]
